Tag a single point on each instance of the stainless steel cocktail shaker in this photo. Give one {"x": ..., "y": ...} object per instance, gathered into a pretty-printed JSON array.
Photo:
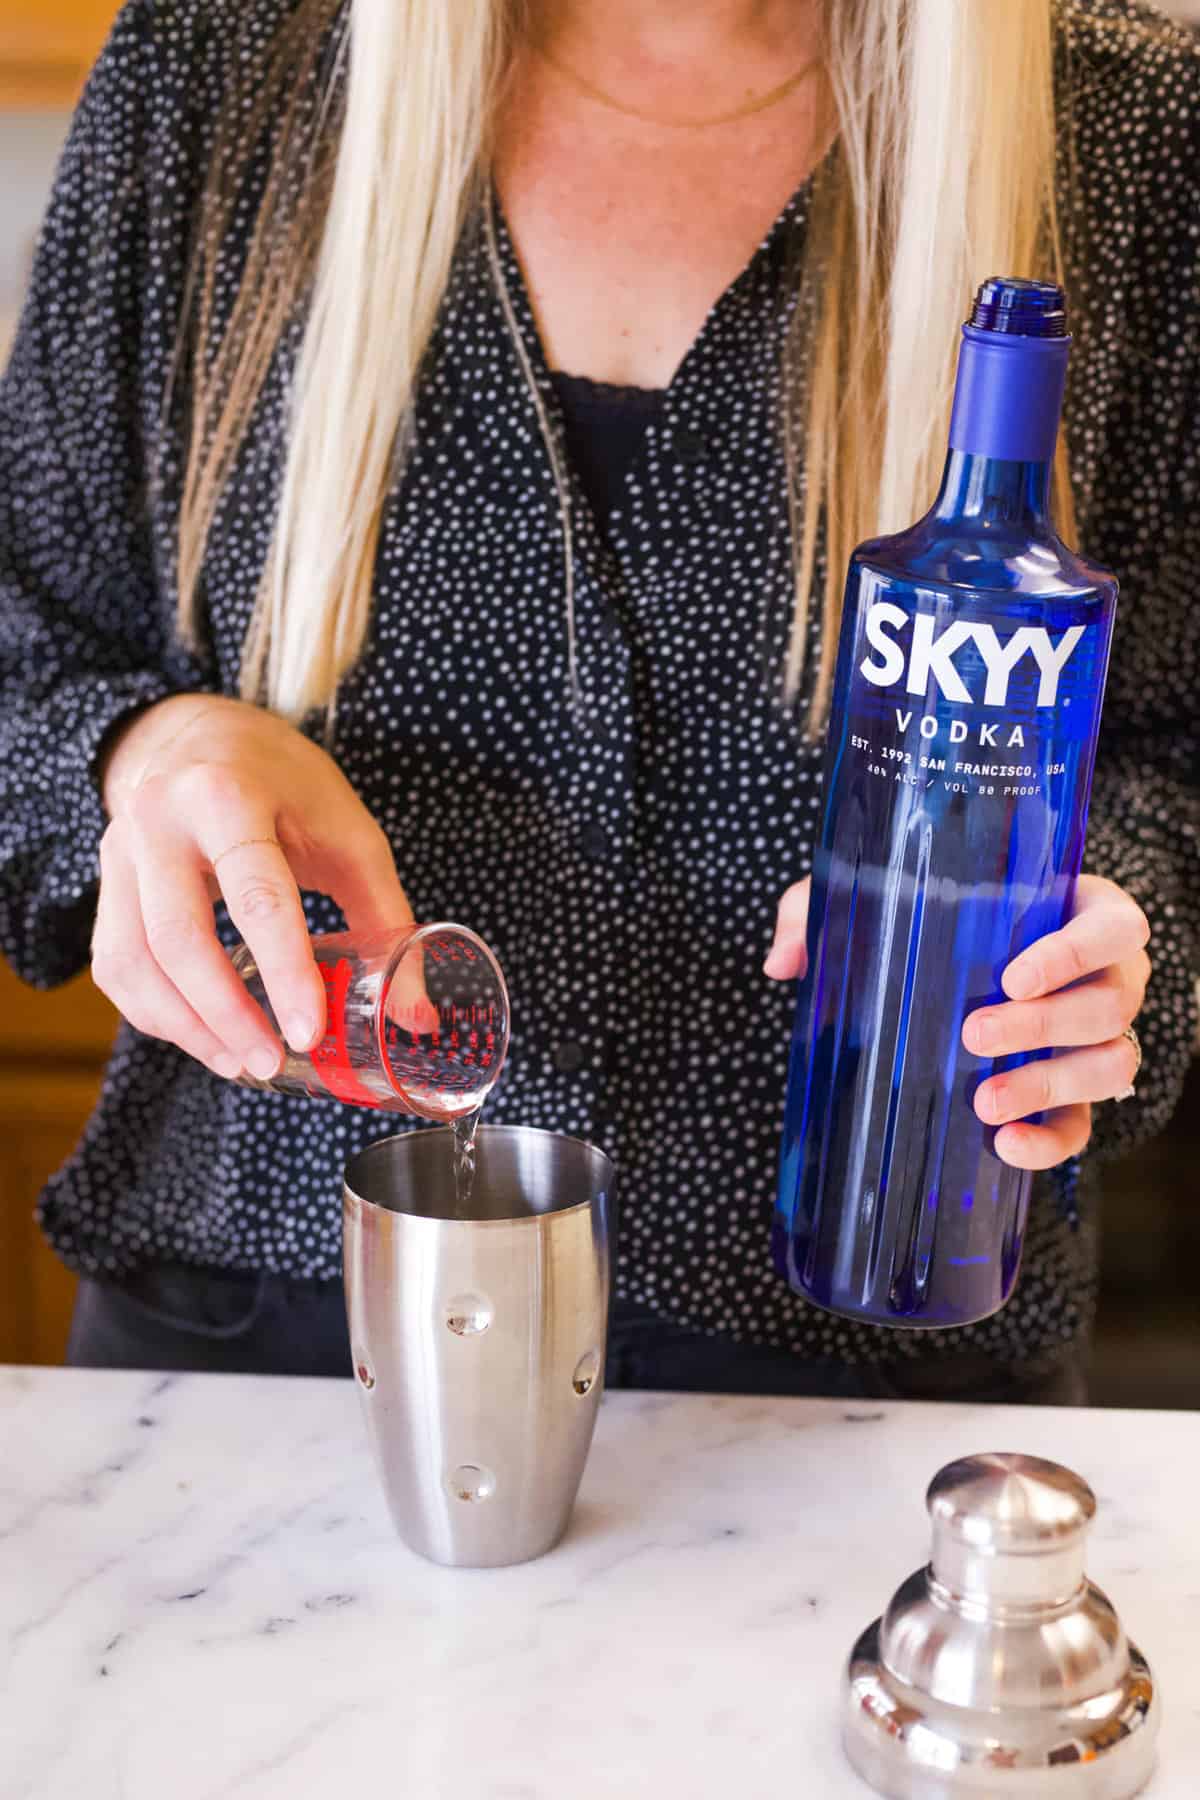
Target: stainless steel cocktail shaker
[
  {"x": 1000, "y": 1669},
  {"x": 478, "y": 1333}
]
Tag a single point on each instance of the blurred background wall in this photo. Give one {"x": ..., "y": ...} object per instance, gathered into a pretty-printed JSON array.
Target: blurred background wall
[{"x": 52, "y": 1046}]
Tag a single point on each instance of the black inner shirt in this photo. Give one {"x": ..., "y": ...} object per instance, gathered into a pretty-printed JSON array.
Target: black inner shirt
[{"x": 604, "y": 425}]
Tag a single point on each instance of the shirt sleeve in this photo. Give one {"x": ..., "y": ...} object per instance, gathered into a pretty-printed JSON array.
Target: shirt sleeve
[
  {"x": 84, "y": 636},
  {"x": 1145, "y": 834},
  {"x": 1130, "y": 208}
]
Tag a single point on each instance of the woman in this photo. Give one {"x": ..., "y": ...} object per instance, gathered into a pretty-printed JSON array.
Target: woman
[{"x": 519, "y": 379}]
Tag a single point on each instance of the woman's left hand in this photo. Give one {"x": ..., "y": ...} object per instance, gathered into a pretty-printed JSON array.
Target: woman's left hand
[{"x": 1075, "y": 990}]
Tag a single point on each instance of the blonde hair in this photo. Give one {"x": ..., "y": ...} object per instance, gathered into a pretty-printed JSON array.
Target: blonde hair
[{"x": 941, "y": 173}]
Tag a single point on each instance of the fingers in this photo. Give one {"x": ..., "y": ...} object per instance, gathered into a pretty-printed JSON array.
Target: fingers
[
  {"x": 179, "y": 832},
  {"x": 124, "y": 969},
  {"x": 360, "y": 872},
  {"x": 1063, "y": 1134},
  {"x": 261, "y": 811},
  {"x": 1095, "y": 1010},
  {"x": 178, "y": 924},
  {"x": 264, "y": 903},
  {"x": 263, "y": 899},
  {"x": 1108, "y": 927},
  {"x": 408, "y": 1003},
  {"x": 788, "y": 956},
  {"x": 1076, "y": 1076}
]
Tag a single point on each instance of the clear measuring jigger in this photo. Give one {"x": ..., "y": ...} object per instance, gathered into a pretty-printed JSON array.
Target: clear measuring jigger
[{"x": 416, "y": 1022}]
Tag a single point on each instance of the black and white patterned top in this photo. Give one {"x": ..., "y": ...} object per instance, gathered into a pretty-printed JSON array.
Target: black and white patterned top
[{"x": 626, "y": 873}]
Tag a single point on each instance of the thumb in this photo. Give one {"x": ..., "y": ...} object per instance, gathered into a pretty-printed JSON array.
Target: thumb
[
  {"x": 361, "y": 876},
  {"x": 788, "y": 957}
]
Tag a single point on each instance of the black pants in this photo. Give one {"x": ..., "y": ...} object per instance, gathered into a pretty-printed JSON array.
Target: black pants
[{"x": 173, "y": 1317}]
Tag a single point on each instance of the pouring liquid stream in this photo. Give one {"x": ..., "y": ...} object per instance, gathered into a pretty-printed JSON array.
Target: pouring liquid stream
[{"x": 464, "y": 1129}]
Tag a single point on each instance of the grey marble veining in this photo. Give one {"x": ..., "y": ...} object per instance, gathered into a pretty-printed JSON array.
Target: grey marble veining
[{"x": 201, "y": 1595}]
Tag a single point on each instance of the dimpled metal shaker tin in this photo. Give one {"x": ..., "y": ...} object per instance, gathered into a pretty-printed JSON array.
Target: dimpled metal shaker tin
[
  {"x": 478, "y": 1341},
  {"x": 1000, "y": 1669}
]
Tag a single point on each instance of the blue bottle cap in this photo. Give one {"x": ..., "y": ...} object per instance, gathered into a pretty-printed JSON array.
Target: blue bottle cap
[
  {"x": 1011, "y": 371},
  {"x": 1015, "y": 308}
]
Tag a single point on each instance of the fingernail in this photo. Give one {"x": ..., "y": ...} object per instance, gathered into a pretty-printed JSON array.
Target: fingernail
[
  {"x": 263, "y": 1062},
  {"x": 989, "y": 1102},
  {"x": 983, "y": 1031},
  {"x": 1020, "y": 980},
  {"x": 1009, "y": 1136},
  {"x": 781, "y": 954},
  {"x": 227, "y": 1065},
  {"x": 301, "y": 1031}
]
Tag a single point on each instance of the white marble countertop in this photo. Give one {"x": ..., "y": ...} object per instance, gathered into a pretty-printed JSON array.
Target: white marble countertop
[{"x": 201, "y": 1595}]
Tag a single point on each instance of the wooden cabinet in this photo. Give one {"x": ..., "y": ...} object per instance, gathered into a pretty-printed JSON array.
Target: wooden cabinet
[
  {"x": 52, "y": 1052},
  {"x": 47, "y": 48}
]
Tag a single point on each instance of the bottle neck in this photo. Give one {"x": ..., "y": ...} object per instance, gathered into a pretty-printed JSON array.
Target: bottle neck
[
  {"x": 994, "y": 490},
  {"x": 1003, "y": 428}
]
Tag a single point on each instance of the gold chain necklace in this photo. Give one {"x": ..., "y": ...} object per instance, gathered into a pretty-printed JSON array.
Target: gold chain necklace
[{"x": 632, "y": 112}]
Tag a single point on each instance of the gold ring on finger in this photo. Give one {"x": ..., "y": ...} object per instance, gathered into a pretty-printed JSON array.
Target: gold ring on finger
[
  {"x": 1127, "y": 1093},
  {"x": 243, "y": 844}
]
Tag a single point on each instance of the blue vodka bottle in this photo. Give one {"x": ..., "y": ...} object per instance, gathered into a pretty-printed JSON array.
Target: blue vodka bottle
[{"x": 966, "y": 704}]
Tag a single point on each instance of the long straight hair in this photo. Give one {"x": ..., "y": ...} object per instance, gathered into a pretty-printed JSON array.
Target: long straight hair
[{"x": 942, "y": 172}]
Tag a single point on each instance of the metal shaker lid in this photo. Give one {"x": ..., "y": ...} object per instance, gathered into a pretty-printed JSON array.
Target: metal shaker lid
[
  {"x": 1009, "y": 1528},
  {"x": 1009, "y": 1502},
  {"x": 999, "y": 1668}
]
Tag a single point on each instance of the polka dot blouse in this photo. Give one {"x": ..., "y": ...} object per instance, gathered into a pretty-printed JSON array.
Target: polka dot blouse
[{"x": 624, "y": 863}]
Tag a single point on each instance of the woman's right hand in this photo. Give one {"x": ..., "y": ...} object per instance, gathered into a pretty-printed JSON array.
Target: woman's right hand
[{"x": 212, "y": 798}]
